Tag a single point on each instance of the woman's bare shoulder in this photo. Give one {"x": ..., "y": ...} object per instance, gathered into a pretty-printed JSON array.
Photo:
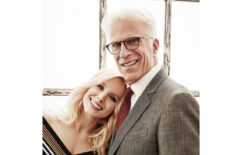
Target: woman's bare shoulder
[{"x": 50, "y": 117}]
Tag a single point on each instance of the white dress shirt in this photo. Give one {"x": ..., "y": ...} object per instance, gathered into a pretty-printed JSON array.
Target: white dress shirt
[{"x": 139, "y": 86}]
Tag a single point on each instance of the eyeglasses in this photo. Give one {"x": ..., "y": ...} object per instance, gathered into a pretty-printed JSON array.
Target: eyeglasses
[{"x": 130, "y": 44}]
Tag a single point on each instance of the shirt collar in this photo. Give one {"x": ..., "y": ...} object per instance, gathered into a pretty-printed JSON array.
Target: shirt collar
[{"x": 139, "y": 86}]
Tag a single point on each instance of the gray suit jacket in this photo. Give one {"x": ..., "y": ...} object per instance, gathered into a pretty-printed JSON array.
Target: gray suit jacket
[{"x": 164, "y": 121}]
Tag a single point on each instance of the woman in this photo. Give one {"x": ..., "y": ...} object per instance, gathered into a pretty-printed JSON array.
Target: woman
[{"x": 86, "y": 123}]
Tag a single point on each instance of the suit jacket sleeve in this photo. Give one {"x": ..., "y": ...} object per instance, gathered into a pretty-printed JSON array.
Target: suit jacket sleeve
[{"x": 178, "y": 132}]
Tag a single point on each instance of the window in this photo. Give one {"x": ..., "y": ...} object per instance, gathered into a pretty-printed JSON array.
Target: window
[{"x": 71, "y": 42}]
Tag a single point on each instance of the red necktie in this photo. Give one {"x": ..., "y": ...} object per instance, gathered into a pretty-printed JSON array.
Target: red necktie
[{"x": 124, "y": 109}]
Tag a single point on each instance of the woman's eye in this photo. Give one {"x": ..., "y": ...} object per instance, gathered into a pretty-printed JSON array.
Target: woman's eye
[
  {"x": 100, "y": 86},
  {"x": 113, "y": 99}
]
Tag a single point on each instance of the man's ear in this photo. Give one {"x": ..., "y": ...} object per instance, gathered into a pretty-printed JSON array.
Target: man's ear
[{"x": 155, "y": 45}]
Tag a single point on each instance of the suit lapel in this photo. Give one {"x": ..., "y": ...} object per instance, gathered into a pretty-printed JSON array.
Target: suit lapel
[
  {"x": 140, "y": 106},
  {"x": 112, "y": 137},
  {"x": 129, "y": 122}
]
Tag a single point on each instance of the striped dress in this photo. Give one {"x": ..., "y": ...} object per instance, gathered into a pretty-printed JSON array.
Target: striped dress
[{"x": 52, "y": 145}]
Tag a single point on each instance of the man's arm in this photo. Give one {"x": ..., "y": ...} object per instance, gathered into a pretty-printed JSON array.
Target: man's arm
[{"x": 178, "y": 132}]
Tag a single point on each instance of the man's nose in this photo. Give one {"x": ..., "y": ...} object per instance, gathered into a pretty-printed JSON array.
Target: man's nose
[{"x": 124, "y": 52}]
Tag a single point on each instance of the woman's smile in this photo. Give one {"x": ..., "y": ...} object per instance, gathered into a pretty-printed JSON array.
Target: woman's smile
[{"x": 96, "y": 106}]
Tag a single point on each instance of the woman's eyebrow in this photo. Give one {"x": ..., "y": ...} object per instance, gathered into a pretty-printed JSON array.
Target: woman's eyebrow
[
  {"x": 104, "y": 83},
  {"x": 111, "y": 91}
]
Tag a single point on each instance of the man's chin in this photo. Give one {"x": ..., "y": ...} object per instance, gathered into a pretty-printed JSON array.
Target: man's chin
[{"x": 130, "y": 79}]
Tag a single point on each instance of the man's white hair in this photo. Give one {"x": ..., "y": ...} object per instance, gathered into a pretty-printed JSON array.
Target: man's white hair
[{"x": 130, "y": 14}]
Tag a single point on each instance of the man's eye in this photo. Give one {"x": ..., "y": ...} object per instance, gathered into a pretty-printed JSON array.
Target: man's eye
[
  {"x": 132, "y": 41},
  {"x": 116, "y": 44},
  {"x": 100, "y": 86},
  {"x": 113, "y": 99}
]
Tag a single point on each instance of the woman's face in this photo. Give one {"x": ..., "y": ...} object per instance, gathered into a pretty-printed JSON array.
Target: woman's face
[{"x": 100, "y": 100}]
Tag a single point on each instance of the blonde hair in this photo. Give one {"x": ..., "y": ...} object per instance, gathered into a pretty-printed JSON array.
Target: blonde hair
[
  {"x": 130, "y": 14},
  {"x": 100, "y": 137}
]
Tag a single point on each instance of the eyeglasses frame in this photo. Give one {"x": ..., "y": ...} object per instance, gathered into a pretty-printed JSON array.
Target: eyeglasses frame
[{"x": 124, "y": 41}]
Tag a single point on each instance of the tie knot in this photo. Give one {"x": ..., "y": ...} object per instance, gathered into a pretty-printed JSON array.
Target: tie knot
[{"x": 128, "y": 93}]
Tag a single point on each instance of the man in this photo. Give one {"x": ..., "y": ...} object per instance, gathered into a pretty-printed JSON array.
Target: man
[{"x": 164, "y": 116}]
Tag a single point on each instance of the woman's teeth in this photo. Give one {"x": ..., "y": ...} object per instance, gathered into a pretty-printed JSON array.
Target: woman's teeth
[{"x": 96, "y": 105}]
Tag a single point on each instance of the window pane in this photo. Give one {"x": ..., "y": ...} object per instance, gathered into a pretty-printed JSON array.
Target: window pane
[
  {"x": 70, "y": 45},
  {"x": 185, "y": 44},
  {"x": 70, "y": 41}
]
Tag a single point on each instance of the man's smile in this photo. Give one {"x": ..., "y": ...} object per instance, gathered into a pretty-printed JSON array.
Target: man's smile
[{"x": 130, "y": 63}]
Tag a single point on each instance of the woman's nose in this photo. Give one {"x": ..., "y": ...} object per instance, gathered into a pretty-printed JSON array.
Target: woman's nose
[{"x": 100, "y": 98}]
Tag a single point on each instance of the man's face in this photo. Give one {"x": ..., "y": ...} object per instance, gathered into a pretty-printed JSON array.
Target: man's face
[{"x": 133, "y": 64}]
